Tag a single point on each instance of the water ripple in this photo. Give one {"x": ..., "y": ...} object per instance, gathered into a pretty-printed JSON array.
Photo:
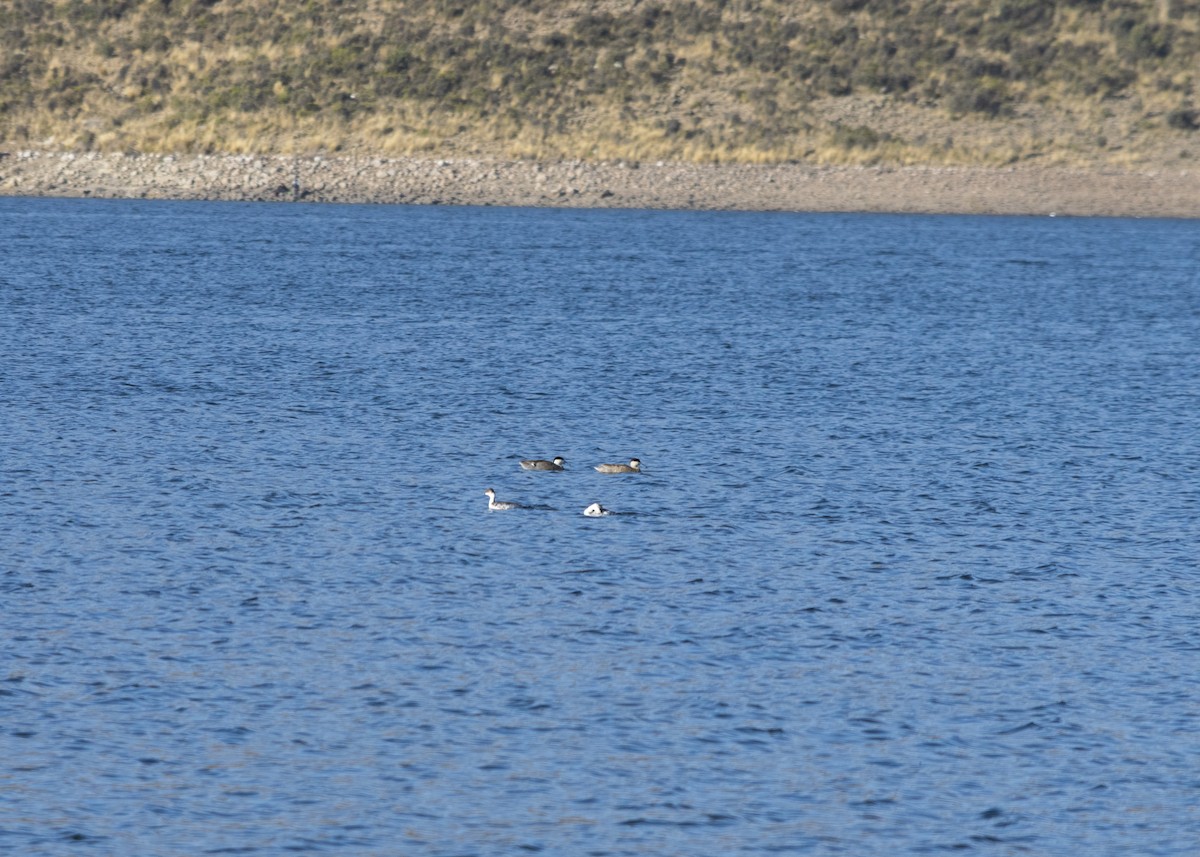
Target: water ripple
[{"x": 910, "y": 568}]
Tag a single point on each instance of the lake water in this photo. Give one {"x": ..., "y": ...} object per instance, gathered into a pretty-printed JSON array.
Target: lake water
[{"x": 912, "y": 566}]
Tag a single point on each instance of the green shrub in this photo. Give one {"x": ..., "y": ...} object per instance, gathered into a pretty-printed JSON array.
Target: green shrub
[
  {"x": 857, "y": 137},
  {"x": 1144, "y": 41},
  {"x": 1184, "y": 119},
  {"x": 987, "y": 97}
]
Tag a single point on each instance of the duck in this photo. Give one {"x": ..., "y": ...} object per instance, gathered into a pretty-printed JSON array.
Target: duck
[
  {"x": 543, "y": 464},
  {"x": 596, "y": 511},
  {"x": 634, "y": 466},
  {"x": 495, "y": 505}
]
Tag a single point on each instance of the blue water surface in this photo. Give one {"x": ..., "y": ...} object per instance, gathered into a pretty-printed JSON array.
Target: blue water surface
[{"x": 911, "y": 568}]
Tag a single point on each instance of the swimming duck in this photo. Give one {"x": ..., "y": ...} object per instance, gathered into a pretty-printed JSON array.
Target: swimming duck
[
  {"x": 543, "y": 464},
  {"x": 634, "y": 466},
  {"x": 495, "y": 505},
  {"x": 596, "y": 511}
]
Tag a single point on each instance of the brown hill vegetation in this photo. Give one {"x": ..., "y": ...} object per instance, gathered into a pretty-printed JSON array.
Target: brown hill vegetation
[{"x": 1073, "y": 82}]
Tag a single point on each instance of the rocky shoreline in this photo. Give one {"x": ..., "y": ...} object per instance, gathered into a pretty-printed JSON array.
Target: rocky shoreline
[{"x": 1029, "y": 190}]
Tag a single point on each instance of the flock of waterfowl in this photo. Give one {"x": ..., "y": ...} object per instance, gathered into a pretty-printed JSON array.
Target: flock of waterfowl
[{"x": 595, "y": 510}]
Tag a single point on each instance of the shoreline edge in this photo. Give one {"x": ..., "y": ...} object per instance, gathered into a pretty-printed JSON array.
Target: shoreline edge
[{"x": 1015, "y": 190}]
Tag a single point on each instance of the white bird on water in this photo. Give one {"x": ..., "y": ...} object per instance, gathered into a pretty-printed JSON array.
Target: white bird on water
[
  {"x": 495, "y": 505},
  {"x": 596, "y": 511},
  {"x": 634, "y": 466},
  {"x": 543, "y": 464}
]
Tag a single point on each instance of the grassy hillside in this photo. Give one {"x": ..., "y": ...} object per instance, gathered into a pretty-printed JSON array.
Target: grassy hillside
[{"x": 882, "y": 81}]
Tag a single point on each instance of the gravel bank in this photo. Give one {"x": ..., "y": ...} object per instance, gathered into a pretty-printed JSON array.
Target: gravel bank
[{"x": 792, "y": 187}]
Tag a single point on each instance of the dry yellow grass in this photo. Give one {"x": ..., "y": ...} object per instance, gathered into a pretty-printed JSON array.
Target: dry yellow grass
[{"x": 832, "y": 82}]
